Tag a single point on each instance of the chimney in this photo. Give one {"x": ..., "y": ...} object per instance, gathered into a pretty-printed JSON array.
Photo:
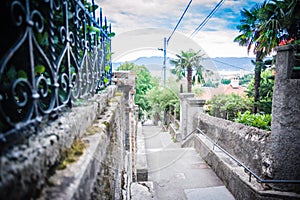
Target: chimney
[{"x": 234, "y": 82}]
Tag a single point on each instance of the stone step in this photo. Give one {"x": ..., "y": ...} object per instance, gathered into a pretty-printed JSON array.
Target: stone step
[
  {"x": 179, "y": 173},
  {"x": 142, "y": 190}
]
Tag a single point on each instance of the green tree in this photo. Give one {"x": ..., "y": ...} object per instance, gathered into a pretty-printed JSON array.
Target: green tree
[
  {"x": 162, "y": 99},
  {"x": 127, "y": 66},
  {"x": 225, "y": 81},
  {"x": 227, "y": 105},
  {"x": 245, "y": 80},
  {"x": 280, "y": 20},
  {"x": 185, "y": 64},
  {"x": 209, "y": 83},
  {"x": 250, "y": 32},
  {"x": 264, "y": 104},
  {"x": 144, "y": 83},
  {"x": 265, "y": 26}
]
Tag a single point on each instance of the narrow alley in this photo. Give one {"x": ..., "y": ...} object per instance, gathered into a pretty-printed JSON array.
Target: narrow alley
[{"x": 179, "y": 173}]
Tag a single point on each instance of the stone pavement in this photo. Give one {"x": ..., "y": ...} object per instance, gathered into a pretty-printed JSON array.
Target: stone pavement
[{"x": 179, "y": 173}]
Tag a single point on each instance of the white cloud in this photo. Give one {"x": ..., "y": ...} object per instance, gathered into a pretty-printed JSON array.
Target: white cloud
[
  {"x": 130, "y": 15},
  {"x": 220, "y": 44}
]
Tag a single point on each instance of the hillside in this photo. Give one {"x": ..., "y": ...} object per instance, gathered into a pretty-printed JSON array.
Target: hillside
[{"x": 219, "y": 63}]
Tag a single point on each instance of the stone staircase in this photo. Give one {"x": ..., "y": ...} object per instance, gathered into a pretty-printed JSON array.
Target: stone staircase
[{"x": 175, "y": 172}]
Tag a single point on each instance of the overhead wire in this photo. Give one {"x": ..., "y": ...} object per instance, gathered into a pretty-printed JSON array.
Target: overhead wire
[
  {"x": 234, "y": 66},
  {"x": 187, "y": 7},
  {"x": 208, "y": 17}
]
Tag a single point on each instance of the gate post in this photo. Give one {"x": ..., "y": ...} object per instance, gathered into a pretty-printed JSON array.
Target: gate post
[
  {"x": 183, "y": 112},
  {"x": 195, "y": 106}
]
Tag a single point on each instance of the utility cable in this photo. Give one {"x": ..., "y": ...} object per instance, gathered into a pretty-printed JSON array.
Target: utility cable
[
  {"x": 179, "y": 21},
  {"x": 203, "y": 23},
  {"x": 214, "y": 60}
]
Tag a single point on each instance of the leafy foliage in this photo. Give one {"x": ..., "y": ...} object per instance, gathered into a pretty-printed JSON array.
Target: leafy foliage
[
  {"x": 262, "y": 121},
  {"x": 127, "y": 66},
  {"x": 264, "y": 104},
  {"x": 144, "y": 83},
  {"x": 268, "y": 23},
  {"x": 209, "y": 83},
  {"x": 225, "y": 81},
  {"x": 162, "y": 99},
  {"x": 185, "y": 64},
  {"x": 245, "y": 80},
  {"x": 266, "y": 26},
  {"x": 227, "y": 106},
  {"x": 198, "y": 90}
]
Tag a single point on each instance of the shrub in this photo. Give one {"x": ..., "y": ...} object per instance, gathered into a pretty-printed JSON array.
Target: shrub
[
  {"x": 262, "y": 121},
  {"x": 227, "y": 105}
]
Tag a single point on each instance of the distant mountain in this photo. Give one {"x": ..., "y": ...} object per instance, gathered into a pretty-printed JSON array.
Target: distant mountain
[
  {"x": 153, "y": 63},
  {"x": 219, "y": 63}
]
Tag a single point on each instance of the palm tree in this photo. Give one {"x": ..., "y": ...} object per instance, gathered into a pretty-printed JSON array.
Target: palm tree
[
  {"x": 281, "y": 20},
  {"x": 185, "y": 64},
  {"x": 250, "y": 28},
  {"x": 265, "y": 25}
]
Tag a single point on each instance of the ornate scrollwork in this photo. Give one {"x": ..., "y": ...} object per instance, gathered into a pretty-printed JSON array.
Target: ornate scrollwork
[
  {"x": 54, "y": 59},
  {"x": 18, "y": 13},
  {"x": 37, "y": 20},
  {"x": 20, "y": 102}
]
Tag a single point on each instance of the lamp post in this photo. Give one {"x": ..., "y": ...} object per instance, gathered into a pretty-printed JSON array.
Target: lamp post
[{"x": 165, "y": 58}]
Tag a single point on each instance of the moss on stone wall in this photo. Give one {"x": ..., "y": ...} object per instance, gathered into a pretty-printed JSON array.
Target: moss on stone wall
[
  {"x": 118, "y": 94},
  {"x": 113, "y": 100},
  {"x": 107, "y": 125},
  {"x": 72, "y": 154},
  {"x": 91, "y": 130}
]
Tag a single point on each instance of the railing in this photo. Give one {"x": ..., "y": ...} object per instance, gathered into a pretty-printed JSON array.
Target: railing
[
  {"x": 173, "y": 120},
  {"x": 52, "y": 52},
  {"x": 239, "y": 163}
]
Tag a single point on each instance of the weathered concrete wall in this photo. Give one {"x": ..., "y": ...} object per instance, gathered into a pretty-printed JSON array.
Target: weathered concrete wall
[
  {"x": 271, "y": 155},
  {"x": 141, "y": 159},
  {"x": 183, "y": 113},
  {"x": 189, "y": 106},
  {"x": 194, "y": 106},
  {"x": 26, "y": 170},
  {"x": 126, "y": 81},
  {"x": 284, "y": 145},
  {"x": 232, "y": 175},
  {"x": 247, "y": 144}
]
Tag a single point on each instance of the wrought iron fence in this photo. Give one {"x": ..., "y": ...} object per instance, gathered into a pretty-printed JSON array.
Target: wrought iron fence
[{"x": 52, "y": 52}]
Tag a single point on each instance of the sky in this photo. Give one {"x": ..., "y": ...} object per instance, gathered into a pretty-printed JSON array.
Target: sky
[{"x": 141, "y": 25}]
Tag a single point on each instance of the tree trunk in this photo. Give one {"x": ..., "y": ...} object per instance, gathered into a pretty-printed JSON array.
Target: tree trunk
[
  {"x": 257, "y": 78},
  {"x": 189, "y": 79}
]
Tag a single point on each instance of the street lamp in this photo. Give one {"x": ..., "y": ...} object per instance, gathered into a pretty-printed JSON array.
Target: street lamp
[{"x": 165, "y": 55}]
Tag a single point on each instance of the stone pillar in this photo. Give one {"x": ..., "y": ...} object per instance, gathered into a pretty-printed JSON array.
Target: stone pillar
[
  {"x": 132, "y": 132},
  {"x": 183, "y": 113},
  {"x": 194, "y": 106},
  {"x": 284, "y": 144},
  {"x": 125, "y": 89},
  {"x": 126, "y": 82}
]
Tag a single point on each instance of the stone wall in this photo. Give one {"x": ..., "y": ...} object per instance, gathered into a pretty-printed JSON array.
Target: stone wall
[
  {"x": 28, "y": 170},
  {"x": 284, "y": 146},
  {"x": 271, "y": 155},
  {"x": 233, "y": 175},
  {"x": 247, "y": 144}
]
